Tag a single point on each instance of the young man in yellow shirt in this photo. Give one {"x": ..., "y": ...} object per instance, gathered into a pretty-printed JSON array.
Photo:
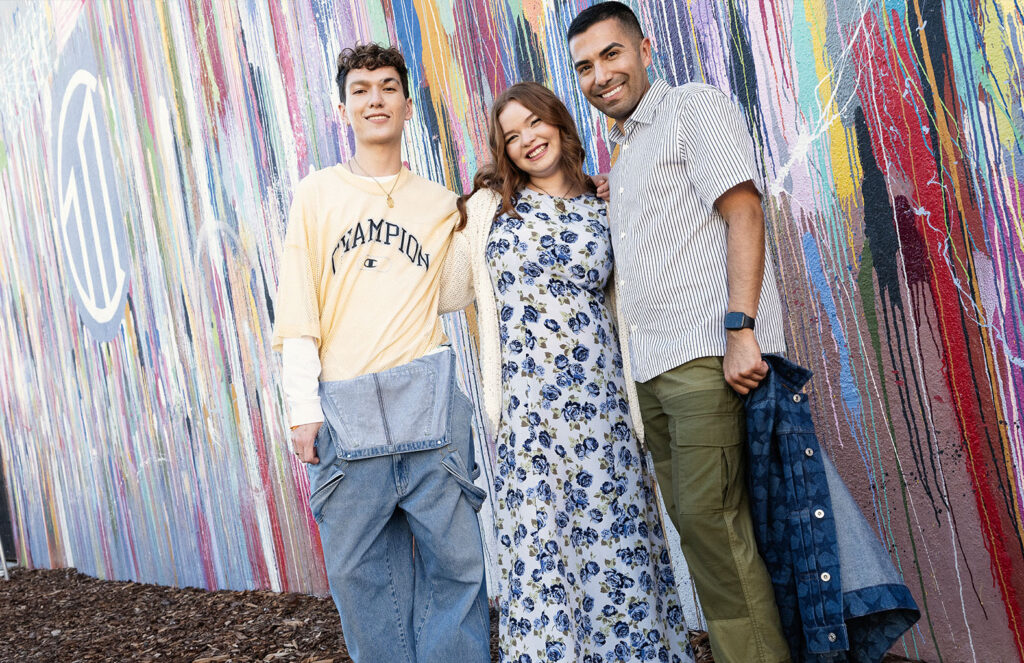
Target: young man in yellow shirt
[{"x": 375, "y": 410}]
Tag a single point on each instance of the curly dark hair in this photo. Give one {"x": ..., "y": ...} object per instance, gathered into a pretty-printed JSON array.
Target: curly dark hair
[{"x": 370, "y": 56}]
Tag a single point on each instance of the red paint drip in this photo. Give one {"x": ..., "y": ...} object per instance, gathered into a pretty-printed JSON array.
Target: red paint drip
[
  {"x": 256, "y": 425},
  {"x": 282, "y": 43},
  {"x": 212, "y": 48},
  {"x": 253, "y": 543},
  {"x": 206, "y": 551},
  {"x": 891, "y": 92}
]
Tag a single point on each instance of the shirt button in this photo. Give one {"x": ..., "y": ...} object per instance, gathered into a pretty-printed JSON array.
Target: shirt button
[
  {"x": 796, "y": 398},
  {"x": 826, "y": 576},
  {"x": 819, "y": 513},
  {"x": 622, "y": 190},
  {"x": 622, "y": 235},
  {"x": 632, "y": 328},
  {"x": 832, "y": 637},
  {"x": 808, "y": 452}
]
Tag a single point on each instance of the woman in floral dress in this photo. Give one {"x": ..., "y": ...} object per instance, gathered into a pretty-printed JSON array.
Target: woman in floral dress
[{"x": 585, "y": 572}]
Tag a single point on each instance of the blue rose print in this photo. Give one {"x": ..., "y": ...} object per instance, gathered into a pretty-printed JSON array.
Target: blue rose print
[{"x": 584, "y": 573}]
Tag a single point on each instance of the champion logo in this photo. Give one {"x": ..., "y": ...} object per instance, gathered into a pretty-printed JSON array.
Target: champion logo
[
  {"x": 380, "y": 232},
  {"x": 376, "y": 263}
]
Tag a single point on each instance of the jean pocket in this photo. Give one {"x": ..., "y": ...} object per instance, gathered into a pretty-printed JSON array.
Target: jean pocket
[
  {"x": 318, "y": 498},
  {"x": 460, "y": 431},
  {"x": 325, "y": 476},
  {"x": 457, "y": 468}
]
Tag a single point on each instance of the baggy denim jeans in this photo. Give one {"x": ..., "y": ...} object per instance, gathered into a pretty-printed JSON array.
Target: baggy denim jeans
[{"x": 394, "y": 498}]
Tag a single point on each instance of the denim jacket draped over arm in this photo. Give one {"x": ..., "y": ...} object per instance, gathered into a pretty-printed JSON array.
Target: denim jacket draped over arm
[{"x": 839, "y": 595}]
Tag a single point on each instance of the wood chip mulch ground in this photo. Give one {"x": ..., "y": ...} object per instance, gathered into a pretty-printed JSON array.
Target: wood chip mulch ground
[{"x": 62, "y": 616}]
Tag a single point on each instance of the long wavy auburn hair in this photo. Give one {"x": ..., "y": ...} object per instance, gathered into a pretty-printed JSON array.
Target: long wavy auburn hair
[{"x": 501, "y": 174}]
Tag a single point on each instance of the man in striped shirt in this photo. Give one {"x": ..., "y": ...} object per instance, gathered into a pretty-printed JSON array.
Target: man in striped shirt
[{"x": 689, "y": 242}]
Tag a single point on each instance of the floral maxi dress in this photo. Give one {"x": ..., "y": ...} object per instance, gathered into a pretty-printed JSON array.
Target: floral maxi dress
[{"x": 585, "y": 573}]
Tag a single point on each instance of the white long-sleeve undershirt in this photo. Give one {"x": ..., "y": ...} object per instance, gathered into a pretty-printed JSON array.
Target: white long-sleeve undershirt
[{"x": 300, "y": 360}]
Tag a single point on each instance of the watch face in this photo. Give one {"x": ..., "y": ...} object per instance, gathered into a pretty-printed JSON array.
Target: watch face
[{"x": 738, "y": 320}]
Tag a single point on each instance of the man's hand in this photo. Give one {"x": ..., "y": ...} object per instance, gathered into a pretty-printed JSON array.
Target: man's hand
[
  {"x": 303, "y": 437},
  {"x": 743, "y": 366},
  {"x": 601, "y": 182}
]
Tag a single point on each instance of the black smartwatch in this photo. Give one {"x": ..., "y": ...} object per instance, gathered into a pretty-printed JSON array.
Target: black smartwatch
[{"x": 737, "y": 320}]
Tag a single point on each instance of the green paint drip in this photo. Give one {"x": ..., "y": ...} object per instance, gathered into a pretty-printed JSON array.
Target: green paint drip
[
  {"x": 991, "y": 87},
  {"x": 866, "y": 286},
  {"x": 378, "y": 23},
  {"x": 807, "y": 75},
  {"x": 446, "y": 12}
]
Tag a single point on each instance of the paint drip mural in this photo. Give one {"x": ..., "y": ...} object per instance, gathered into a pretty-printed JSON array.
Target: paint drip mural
[{"x": 147, "y": 155}]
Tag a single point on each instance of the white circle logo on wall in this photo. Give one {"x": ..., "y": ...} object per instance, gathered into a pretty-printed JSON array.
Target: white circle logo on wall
[{"x": 91, "y": 225}]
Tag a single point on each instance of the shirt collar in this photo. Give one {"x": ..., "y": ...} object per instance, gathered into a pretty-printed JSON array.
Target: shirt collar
[{"x": 644, "y": 111}]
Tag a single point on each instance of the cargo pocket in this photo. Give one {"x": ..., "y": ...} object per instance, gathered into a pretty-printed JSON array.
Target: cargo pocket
[
  {"x": 457, "y": 468},
  {"x": 708, "y": 440}
]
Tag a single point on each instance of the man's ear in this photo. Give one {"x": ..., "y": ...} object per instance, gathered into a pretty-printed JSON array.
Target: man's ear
[
  {"x": 408, "y": 108},
  {"x": 343, "y": 113},
  {"x": 645, "y": 52}
]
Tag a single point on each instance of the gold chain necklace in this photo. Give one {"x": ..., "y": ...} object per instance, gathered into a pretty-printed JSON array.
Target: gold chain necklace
[
  {"x": 558, "y": 200},
  {"x": 391, "y": 201}
]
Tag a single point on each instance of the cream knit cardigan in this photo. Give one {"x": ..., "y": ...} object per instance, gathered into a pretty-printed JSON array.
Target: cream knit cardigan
[{"x": 466, "y": 265}]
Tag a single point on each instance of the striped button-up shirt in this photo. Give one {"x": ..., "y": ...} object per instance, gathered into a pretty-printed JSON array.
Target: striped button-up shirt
[{"x": 679, "y": 151}]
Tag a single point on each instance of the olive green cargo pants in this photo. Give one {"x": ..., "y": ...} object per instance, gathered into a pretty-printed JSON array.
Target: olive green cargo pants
[{"x": 695, "y": 426}]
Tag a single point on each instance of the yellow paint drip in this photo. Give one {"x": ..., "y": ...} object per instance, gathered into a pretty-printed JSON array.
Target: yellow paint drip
[
  {"x": 443, "y": 73},
  {"x": 998, "y": 69}
]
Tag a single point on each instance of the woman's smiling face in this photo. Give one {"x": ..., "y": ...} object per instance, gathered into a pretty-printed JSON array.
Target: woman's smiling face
[{"x": 533, "y": 145}]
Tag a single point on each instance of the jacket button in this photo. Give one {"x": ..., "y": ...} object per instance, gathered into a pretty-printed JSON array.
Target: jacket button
[
  {"x": 826, "y": 576},
  {"x": 808, "y": 452},
  {"x": 819, "y": 513},
  {"x": 832, "y": 637},
  {"x": 796, "y": 398}
]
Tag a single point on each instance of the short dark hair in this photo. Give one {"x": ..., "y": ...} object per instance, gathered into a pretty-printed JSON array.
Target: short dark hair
[
  {"x": 370, "y": 56},
  {"x": 602, "y": 12}
]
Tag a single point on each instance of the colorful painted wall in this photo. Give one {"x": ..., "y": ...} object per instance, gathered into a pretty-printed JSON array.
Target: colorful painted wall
[{"x": 147, "y": 154}]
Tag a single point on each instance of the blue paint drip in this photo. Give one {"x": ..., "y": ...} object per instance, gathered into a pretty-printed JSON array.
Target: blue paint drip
[
  {"x": 407, "y": 29},
  {"x": 847, "y": 385}
]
